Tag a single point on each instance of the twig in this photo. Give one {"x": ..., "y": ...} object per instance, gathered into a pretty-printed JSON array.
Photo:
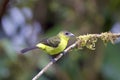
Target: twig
[{"x": 56, "y": 59}]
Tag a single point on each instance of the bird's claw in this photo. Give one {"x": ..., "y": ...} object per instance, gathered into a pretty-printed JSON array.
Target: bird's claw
[
  {"x": 52, "y": 59},
  {"x": 63, "y": 52}
]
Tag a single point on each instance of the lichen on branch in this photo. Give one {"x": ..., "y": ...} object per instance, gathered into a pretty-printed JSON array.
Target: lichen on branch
[{"x": 90, "y": 40}]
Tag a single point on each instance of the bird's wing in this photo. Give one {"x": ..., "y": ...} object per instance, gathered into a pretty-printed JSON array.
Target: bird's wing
[{"x": 53, "y": 41}]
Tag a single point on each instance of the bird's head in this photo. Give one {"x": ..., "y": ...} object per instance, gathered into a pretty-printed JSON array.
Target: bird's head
[{"x": 65, "y": 34}]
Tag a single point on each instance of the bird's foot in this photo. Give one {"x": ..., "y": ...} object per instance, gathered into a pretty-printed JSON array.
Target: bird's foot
[
  {"x": 52, "y": 59},
  {"x": 63, "y": 52}
]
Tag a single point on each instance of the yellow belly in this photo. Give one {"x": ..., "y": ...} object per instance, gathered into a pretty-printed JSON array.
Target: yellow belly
[
  {"x": 57, "y": 50},
  {"x": 51, "y": 50}
]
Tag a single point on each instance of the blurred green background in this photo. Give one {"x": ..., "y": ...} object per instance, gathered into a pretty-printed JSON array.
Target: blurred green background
[{"x": 24, "y": 23}]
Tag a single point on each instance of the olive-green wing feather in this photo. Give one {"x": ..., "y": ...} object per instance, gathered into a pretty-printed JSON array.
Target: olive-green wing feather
[{"x": 53, "y": 41}]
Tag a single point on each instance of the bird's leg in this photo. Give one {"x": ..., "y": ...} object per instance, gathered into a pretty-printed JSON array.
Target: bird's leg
[
  {"x": 52, "y": 58},
  {"x": 63, "y": 52}
]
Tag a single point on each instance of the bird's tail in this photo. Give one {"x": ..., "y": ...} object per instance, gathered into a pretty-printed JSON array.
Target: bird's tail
[{"x": 28, "y": 49}]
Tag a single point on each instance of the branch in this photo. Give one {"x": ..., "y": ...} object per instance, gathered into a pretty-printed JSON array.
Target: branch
[
  {"x": 56, "y": 59},
  {"x": 88, "y": 41}
]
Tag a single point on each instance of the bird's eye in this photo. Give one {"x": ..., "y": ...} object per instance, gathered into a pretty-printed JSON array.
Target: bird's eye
[{"x": 66, "y": 33}]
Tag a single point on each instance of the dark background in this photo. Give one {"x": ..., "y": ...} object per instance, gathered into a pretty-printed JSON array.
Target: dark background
[{"x": 23, "y": 23}]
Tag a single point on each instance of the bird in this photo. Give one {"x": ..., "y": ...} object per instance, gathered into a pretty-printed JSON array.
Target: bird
[{"x": 53, "y": 45}]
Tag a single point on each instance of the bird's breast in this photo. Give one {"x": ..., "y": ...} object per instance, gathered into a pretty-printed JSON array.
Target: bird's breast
[{"x": 56, "y": 50}]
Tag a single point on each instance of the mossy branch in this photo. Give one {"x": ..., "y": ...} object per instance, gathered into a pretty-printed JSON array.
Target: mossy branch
[{"x": 87, "y": 41}]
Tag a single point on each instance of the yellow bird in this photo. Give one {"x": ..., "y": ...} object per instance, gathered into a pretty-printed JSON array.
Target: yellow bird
[{"x": 53, "y": 45}]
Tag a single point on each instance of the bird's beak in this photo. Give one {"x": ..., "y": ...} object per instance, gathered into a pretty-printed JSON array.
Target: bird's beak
[{"x": 71, "y": 34}]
